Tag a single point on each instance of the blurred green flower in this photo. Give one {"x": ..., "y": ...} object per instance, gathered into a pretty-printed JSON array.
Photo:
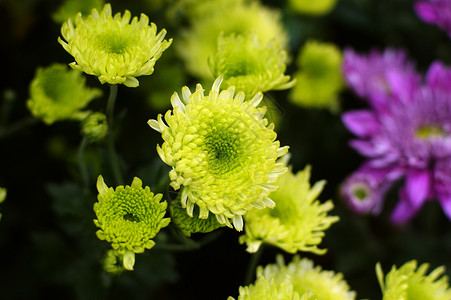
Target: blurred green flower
[
  {"x": 95, "y": 127},
  {"x": 222, "y": 152},
  {"x": 194, "y": 224},
  {"x": 3, "y": 192},
  {"x": 209, "y": 18},
  {"x": 312, "y": 7},
  {"x": 300, "y": 279},
  {"x": 298, "y": 220},
  {"x": 250, "y": 65},
  {"x": 319, "y": 80},
  {"x": 112, "y": 48},
  {"x": 58, "y": 93},
  {"x": 70, "y": 8},
  {"x": 410, "y": 282},
  {"x": 129, "y": 218}
]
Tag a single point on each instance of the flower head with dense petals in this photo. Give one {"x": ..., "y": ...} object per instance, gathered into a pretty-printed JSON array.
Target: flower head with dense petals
[
  {"x": 95, "y": 127},
  {"x": 222, "y": 151},
  {"x": 411, "y": 138},
  {"x": 436, "y": 12},
  {"x": 198, "y": 42},
  {"x": 112, "y": 48},
  {"x": 380, "y": 77},
  {"x": 319, "y": 80},
  {"x": 298, "y": 220},
  {"x": 59, "y": 93},
  {"x": 410, "y": 282},
  {"x": 249, "y": 65},
  {"x": 129, "y": 218},
  {"x": 309, "y": 282}
]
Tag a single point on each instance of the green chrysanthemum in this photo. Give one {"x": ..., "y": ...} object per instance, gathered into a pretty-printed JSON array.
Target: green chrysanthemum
[
  {"x": 264, "y": 289},
  {"x": 58, "y": 93},
  {"x": 307, "y": 282},
  {"x": 95, "y": 127},
  {"x": 312, "y": 7},
  {"x": 199, "y": 42},
  {"x": 70, "y": 8},
  {"x": 222, "y": 152},
  {"x": 112, "y": 48},
  {"x": 250, "y": 65},
  {"x": 129, "y": 218},
  {"x": 410, "y": 282},
  {"x": 319, "y": 80},
  {"x": 194, "y": 224},
  {"x": 298, "y": 221}
]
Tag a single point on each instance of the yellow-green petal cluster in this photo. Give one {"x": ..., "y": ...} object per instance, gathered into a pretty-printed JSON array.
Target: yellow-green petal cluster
[
  {"x": 250, "y": 65},
  {"x": 222, "y": 152},
  {"x": 129, "y": 218},
  {"x": 210, "y": 18},
  {"x": 300, "y": 279},
  {"x": 194, "y": 224},
  {"x": 2, "y": 197},
  {"x": 312, "y": 7},
  {"x": 298, "y": 220},
  {"x": 112, "y": 262},
  {"x": 95, "y": 127},
  {"x": 410, "y": 282},
  {"x": 113, "y": 48},
  {"x": 70, "y": 8},
  {"x": 319, "y": 79},
  {"x": 58, "y": 93}
]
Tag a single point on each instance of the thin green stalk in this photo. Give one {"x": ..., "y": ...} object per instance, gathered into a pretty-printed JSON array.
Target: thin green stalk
[
  {"x": 110, "y": 136},
  {"x": 251, "y": 268}
]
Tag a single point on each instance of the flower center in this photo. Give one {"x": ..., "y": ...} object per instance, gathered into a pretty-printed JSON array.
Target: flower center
[
  {"x": 360, "y": 193},
  {"x": 130, "y": 217},
  {"x": 430, "y": 131},
  {"x": 114, "y": 42},
  {"x": 224, "y": 151},
  {"x": 240, "y": 64}
]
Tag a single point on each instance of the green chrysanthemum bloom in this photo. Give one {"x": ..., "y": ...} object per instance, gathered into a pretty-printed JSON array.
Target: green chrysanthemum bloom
[
  {"x": 70, "y": 8},
  {"x": 112, "y": 48},
  {"x": 194, "y": 224},
  {"x": 58, "y": 93},
  {"x": 410, "y": 282},
  {"x": 95, "y": 127},
  {"x": 264, "y": 289},
  {"x": 250, "y": 65},
  {"x": 129, "y": 218},
  {"x": 312, "y": 7},
  {"x": 298, "y": 221},
  {"x": 309, "y": 281},
  {"x": 222, "y": 152},
  {"x": 112, "y": 262},
  {"x": 319, "y": 80},
  {"x": 199, "y": 42}
]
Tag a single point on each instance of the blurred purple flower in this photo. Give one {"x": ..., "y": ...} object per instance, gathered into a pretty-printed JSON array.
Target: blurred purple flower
[
  {"x": 436, "y": 12},
  {"x": 380, "y": 77},
  {"x": 410, "y": 138}
]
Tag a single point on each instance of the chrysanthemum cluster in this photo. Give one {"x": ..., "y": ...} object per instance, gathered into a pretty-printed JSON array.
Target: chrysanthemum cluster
[
  {"x": 112, "y": 48},
  {"x": 249, "y": 65},
  {"x": 129, "y": 218},
  {"x": 222, "y": 152},
  {"x": 208, "y": 19},
  {"x": 410, "y": 282},
  {"x": 58, "y": 93},
  {"x": 406, "y": 133},
  {"x": 300, "y": 279},
  {"x": 319, "y": 79},
  {"x": 298, "y": 220}
]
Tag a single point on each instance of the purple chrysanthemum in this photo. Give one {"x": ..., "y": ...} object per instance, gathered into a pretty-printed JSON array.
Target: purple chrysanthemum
[
  {"x": 409, "y": 138},
  {"x": 436, "y": 12},
  {"x": 380, "y": 77}
]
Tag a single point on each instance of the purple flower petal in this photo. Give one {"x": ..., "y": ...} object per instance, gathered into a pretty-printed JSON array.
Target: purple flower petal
[
  {"x": 362, "y": 123},
  {"x": 418, "y": 185}
]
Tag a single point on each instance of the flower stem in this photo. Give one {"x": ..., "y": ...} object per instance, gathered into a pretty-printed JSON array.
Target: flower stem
[
  {"x": 110, "y": 137},
  {"x": 250, "y": 272},
  {"x": 81, "y": 161}
]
